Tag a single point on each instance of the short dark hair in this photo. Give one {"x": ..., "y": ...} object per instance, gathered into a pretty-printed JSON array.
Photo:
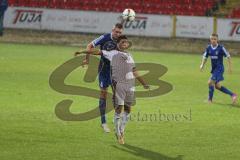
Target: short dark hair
[
  {"x": 121, "y": 37},
  {"x": 214, "y": 35},
  {"x": 118, "y": 25}
]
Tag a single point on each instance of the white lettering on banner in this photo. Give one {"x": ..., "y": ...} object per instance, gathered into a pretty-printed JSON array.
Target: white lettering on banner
[
  {"x": 194, "y": 27},
  {"x": 77, "y": 21}
]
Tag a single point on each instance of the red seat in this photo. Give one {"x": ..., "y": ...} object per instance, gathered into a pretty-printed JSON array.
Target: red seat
[
  {"x": 235, "y": 13},
  {"x": 178, "y": 7},
  {"x": 13, "y": 2}
]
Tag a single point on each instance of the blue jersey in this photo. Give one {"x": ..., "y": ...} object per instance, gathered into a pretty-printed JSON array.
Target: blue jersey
[
  {"x": 3, "y": 5},
  {"x": 216, "y": 54},
  {"x": 3, "y": 2},
  {"x": 106, "y": 42}
]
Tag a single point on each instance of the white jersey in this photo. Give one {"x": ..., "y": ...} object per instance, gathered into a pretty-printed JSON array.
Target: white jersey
[{"x": 122, "y": 65}]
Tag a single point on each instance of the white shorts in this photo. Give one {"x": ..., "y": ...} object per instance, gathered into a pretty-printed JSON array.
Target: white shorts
[{"x": 123, "y": 94}]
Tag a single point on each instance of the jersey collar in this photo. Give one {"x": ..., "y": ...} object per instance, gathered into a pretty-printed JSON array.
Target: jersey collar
[
  {"x": 214, "y": 47},
  {"x": 111, "y": 37}
]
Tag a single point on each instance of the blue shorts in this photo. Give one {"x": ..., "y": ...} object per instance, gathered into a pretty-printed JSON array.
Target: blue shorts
[
  {"x": 104, "y": 79},
  {"x": 104, "y": 75},
  {"x": 217, "y": 76}
]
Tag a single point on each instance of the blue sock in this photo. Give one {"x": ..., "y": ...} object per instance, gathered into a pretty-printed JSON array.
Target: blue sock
[
  {"x": 226, "y": 91},
  {"x": 102, "y": 108},
  {"x": 211, "y": 91}
]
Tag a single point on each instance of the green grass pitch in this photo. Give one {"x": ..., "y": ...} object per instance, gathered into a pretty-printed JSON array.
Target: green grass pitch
[{"x": 30, "y": 130}]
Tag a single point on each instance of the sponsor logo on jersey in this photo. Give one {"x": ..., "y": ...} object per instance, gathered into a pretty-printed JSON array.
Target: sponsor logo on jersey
[
  {"x": 110, "y": 45},
  {"x": 214, "y": 57}
]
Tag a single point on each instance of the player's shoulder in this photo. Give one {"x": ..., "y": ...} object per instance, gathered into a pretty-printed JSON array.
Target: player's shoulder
[
  {"x": 107, "y": 35},
  {"x": 208, "y": 46},
  {"x": 112, "y": 52},
  {"x": 123, "y": 53},
  {"x": 221, "y": 46},
  {"x": 101, "y": 39},
  {"x": 127, "y": 55},
  {"x": 103, "y": 36}
]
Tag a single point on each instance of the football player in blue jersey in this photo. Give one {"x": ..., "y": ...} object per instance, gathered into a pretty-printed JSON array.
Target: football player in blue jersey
[
  {"x": 217, "y": 52},
  {"x": 106, "y": 42},
  {"x": 3, "y": 8}
]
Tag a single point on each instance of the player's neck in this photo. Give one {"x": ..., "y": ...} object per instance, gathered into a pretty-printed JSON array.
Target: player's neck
[
  {"x": 214, "y": 45},
  {"x": 121, "y": 50}
]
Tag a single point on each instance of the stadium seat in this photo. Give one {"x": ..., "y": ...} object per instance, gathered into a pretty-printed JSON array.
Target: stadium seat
[
  {"x": 13, "y": 2},
  {"x": 177, "y": 7},
  {"x": 235, "y": 13}
]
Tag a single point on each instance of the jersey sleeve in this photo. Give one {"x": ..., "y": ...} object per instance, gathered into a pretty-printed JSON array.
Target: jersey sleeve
[
  {"x": 225, "y": 52},
  {"x": 98, "y": 41},
  {"x": 109, "y": 54},
  {"x": 124, "y": 56},
  {"x": 205, "y": 54},
  {"x": 132, "y": 61},
  {"x": 129, "y": 60}
]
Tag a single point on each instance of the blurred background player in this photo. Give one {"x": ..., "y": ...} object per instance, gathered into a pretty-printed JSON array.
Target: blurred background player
[
  {"x": 3, "y": 8},
  {"x": 123, "y": 78},
  {"x": 106, "y": 42},
  {"x": 216, "y": 52}
]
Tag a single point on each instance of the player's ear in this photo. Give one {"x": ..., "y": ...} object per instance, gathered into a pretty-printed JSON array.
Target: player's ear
[
  {"x": 118, "y": 46},
  {"x": 130, "y": 44}
]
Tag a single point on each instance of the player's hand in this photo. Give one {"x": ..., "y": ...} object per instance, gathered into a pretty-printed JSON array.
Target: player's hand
[
  {"x": 84, "y": 62},
  {"x": 230, "y": 70},
  {"x": 201, "y": 67},
  {"x": 146, "y": 86},
  {"x": 77, "y": 53}
]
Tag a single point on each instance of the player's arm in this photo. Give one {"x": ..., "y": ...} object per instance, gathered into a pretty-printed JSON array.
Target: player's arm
[
  {"x": 229, "y": 60},
  {"x": 106, "y": 54},
  {"x": 88, "y": 53},
  {"x": 90, "y": 48},
  {"x": 229, "y": 64},
  {"x": 204, "y": 60},
  {"x": 140, "y": 79},
  {"x": 92, "y": 52}
]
